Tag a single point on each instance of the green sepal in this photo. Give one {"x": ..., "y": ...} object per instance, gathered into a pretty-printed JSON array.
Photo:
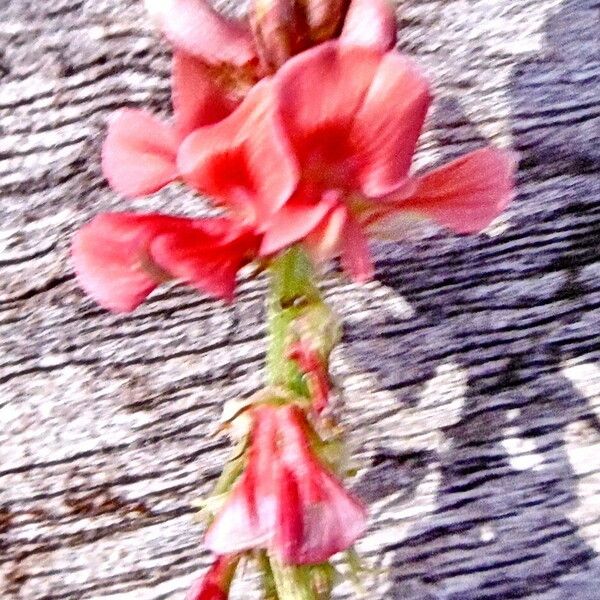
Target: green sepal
[{"x": 303, "y": 582}]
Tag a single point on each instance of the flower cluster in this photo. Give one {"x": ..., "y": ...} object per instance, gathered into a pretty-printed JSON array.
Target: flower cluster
[{"x": 300, "y": 125}]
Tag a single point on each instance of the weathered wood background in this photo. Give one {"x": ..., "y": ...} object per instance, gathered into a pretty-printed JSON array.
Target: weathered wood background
[{"x": 471, "y": 367}]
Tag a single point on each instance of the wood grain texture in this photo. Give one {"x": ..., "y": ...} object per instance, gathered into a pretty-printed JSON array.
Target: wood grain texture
[{"x": 471, "y": 369}]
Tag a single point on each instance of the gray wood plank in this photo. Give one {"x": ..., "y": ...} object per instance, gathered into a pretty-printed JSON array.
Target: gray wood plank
[{"x": 471, "y": 369}]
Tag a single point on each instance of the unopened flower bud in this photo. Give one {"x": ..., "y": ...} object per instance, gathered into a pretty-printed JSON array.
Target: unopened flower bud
[
  {"x": 324, "y": 18},
  {"x": 278, "y": 29}
]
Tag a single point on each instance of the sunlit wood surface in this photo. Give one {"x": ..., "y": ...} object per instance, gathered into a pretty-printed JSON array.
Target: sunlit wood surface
[{"x": 471, "y": 368}]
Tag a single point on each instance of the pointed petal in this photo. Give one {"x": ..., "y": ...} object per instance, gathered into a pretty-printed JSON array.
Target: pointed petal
[
  {"x": 139, "y": 152},
  {"x": 466, "y": 194},
  {"x": 243, "y": 161},
  {"x": 196, "y": 27},
  {"x": 293, "y": 221},
  {"x": 110, "y": 256},
  {"x": 388, "y": 124},
  {"x": 199, "y": 96},
  {"x": 371, "y": 24}
]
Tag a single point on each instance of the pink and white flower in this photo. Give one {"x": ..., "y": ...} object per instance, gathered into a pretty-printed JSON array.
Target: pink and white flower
[{"x": 287, "y": 500}]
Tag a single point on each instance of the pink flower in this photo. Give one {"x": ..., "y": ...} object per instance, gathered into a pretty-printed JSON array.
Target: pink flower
[
  {"x": 140, "y": 151},
  {"x": 197, "y": 28},
  {"x": 354, "y": 142},
  {"x": 120, "y": 258},
  {"x": 243, "y": 162},
  {"x": 215, "y": 65},
  {"x": 215, "y": 583},
  {"x": 286, "y": 501}
]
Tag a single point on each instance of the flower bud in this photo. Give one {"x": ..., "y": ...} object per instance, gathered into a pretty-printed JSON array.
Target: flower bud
[
  {"x": 324, "y": 18},
  {"x": 278, "y": 30},
  {"x": 314, "y": 367}
]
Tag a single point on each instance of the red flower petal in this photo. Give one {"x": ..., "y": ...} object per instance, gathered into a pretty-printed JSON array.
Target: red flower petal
[
  {"x": 318, "y": 123},
  {"x": 196, "y": 27},
  {"x": 139, "y": 153},
  {"x": 204, "y": 259},
  {"x": 109, "y": 254},
  {"x": 199, "y": 97},
  {"x": 286, "y": 501},
  {"x": 242, "y": 161},
  {"x": 360, "y": 131},
  {"x": 332, "y": 519},
  {"x": 120, "y": 258},
  {"x": 388, "y": 124},
  {"x": 248, "y": 518},
  {"x": 295, "y": 220},
  {"x": 466, "y": 194},
  {"x": 371, "y": 24},
  {"x": 290, "y": 516},
  {"x": 331, "y": 524},
  {"x": 215, "y": 583}
]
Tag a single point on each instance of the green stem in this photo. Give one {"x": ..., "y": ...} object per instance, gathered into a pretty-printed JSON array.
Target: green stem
[
  {"x": 293, "y": 583},
  {"x": 294, "y": 298},
  {"x": 292, "y": 290}
]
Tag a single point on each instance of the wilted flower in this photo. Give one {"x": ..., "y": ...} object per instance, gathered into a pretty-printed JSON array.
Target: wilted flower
[
  {"x": 286, "y": 501},
  {"x": 354, "y": 142},
  {"x": 215, "y": 583}
]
